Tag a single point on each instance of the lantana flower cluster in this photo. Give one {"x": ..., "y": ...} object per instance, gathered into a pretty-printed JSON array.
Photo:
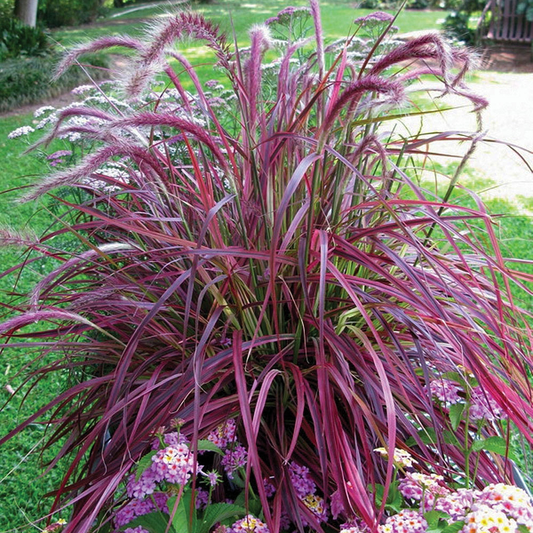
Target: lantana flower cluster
[
  {"x": 248, "y": 524},
  {"x": 480, "y": 405},
  {"x": 497, "y": 508},
  {"x": 172, "y": 466},
  {"x": 306, "y": 491},
  {"x": 400, "y": 457}
]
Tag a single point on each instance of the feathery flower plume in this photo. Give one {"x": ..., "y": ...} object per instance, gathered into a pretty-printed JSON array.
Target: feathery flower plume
[
  {"x": 87, "y": 256},
  {"x": 138, "y": 76},
  {"x": 73, "y": 112},
  {"x": 429, "y": 46},
  {"x": 159, "y": 119},
  {"x": 319, "y": 35},
  {"x": 260, "y": 42},
  {"x": 12, "y": 237},
  {"x": 95, "y": 46},
  {"x": 91, "y": 163},
  {"x": 163, "y": 34},
  {"x": 184, "y": 24},
  {"x": 50, "y": 315},
  {"x": 393, "y": 91}
]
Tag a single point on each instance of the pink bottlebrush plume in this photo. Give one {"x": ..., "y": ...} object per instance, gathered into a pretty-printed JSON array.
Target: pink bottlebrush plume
[
  {"x": 89, "y": 299},
  {"x": 184, "y": 24},
  {"x": 99, "y": 44},
  {"x": 69, "y": 112},
  {"x": 479, "y": 101},
  {"x": 123, "y": 147},
  {"x": 138, "y": 76},
  {"x": 469, "y": 60},
  {"x": 89, "y": 132},
  {"x": 284, "y": 77},
  {"x": 447, "y": 58},
  {"x": 319, "y": 35},
  {"x": 83, "y": 111},
  {"x": 261, "y": 42},
  {"x": 391, "y": 89},
  {"x": 161, "y": 35},
  {"x": 158, "y": 119},
  {"x": 89, "y": 255},
  {"x": 43, "y": 315},
  {"x": 59, "y": 154},
  {"x": 371, "y": 143},
  {"x": 12, "y": 237},
  {"x": 429, "y": 46},
  {"x": 74, "y": 175}
]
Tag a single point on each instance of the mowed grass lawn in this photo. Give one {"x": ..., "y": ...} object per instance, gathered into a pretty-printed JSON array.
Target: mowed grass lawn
[{"x": 21, "y": 489}]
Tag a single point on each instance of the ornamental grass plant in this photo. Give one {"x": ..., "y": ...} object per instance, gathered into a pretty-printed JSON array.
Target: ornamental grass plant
[{"x": 257, "y": 253}]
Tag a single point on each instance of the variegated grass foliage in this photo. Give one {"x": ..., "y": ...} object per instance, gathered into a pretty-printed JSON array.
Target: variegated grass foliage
[{"x": 255, "y": 249}]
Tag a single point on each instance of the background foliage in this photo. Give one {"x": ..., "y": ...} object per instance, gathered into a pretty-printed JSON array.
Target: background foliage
[
  {"x": 29, "y": 80},
  {"x": 55, "y": 13},
  {"x": 17, "y": 39}
]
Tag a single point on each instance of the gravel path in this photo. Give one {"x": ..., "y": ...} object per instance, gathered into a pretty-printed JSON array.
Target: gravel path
[{"x": 508, "y": 119}]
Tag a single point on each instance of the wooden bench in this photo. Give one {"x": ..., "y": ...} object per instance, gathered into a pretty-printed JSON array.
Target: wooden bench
[{"x": 505, "y": 24}]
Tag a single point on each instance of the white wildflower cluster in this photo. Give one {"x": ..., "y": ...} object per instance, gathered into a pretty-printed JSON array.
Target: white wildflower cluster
[
  {"x": 20, "y": 132},
  {"x": 78, "y": 122},
  {"x": 105, "y": 100},
  {"x": 274, "y": 66},
  {"x": 43, "y": 110},
  {"x": 82, "y": 89},
  {"x": 171, "y": 94},
  {"x": 50, "y": 120},
  {"x": 115, "y": 178}
]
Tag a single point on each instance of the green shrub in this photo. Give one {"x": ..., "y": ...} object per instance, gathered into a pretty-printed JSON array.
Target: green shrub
[
  {"x": 17, "y": 39},
  {"x": 370, "y": 4},
  {"x": 456, "y": 26},
  {"x": 28, "y": 80},
  {"x": 525, "y": 7},
  {"x": 418, "y": 4},
  {"x": 6, "y": 9},
  {"x": 55, "y": 13}
]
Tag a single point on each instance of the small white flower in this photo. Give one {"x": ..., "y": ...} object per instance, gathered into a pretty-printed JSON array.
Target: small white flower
[
  {"x": 72, "y": 136},
  {"x": 19, "y": 132},
  {"x": 42, "y": 110},
  {"x": 50, "y": 119},
  {"x": 82, "y": 89},
  {"x": 78, "y": 121}
]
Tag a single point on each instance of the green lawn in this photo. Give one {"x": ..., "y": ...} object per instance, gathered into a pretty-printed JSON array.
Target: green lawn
[{"x": 338, "y": 17}]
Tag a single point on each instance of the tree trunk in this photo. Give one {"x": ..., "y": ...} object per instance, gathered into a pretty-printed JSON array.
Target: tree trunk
[{"x": 26, "y": 11}]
